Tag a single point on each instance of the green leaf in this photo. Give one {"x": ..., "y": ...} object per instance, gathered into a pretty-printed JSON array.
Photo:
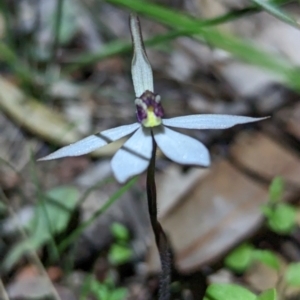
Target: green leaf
[
  {"x": 228, "y": 292},
  {"x": 292, "y": 275},
  {"x": 53, "y": 213},
  {"x": 119, "y": 231},
  {"x": 240, "y": 258},
  {"x": 267, "y": 257},
  {"x": 100, "y": 290},
  {"x": 276, "y": 189},
  {"x": 270, "y": 294},
  {"x": 51, "y": 217},
  {"x": 119, "y": 254},
  {"x": 119, "y": 294},
  {"x": 283, "y": 218},
  {"x": 236, "y": 46}
]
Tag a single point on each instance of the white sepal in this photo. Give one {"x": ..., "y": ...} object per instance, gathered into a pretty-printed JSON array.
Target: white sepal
[
  {"x": 93, "y": 142},
  {"x": 181, "y": 148},
  {"x": 208, "y": 121},
  {"x": 140, "y": 68},
  {"x": 133, "y": 157}
]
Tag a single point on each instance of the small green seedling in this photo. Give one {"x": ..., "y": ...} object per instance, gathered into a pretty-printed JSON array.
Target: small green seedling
[
  {"x": 120, "y": 252},
  {"x": 120, "y": 232},
  {"x": 241, "y": 258},
  {"x": 281, "y": 217}
]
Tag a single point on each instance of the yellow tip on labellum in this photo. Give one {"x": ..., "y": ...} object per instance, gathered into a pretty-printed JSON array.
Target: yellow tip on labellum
[{"x": 152, "y": 120}]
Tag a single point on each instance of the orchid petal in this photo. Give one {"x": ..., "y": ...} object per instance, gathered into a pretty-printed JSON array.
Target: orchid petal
[
  {"x": 93, "y": 142},
  {"x": 208, "y": 121},
  {"x": 133, "y": 158},
  {"x": 140, "y": 68},
  {"x": 181, "y": 148}
]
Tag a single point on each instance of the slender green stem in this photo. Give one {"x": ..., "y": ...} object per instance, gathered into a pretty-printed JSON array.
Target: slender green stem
[
  {"x": 76, "y": 233},
  {"x": 162, "y": 243},
  {"x": 53, "y": 250}
]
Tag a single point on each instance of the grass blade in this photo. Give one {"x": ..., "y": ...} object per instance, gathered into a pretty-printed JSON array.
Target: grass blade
[
  {"x": 117, "y": 47},
  {"x": 276, "y": 12}
]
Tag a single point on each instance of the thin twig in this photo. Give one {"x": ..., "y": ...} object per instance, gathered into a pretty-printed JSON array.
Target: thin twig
[{"x": 162, "y": 243}]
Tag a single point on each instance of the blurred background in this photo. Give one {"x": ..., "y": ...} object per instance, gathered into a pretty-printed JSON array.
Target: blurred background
[{"x": 68, "y": 230}]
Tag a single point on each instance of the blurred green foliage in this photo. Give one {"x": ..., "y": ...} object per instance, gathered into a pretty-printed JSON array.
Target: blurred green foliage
[{"x": 51, "y": 216}]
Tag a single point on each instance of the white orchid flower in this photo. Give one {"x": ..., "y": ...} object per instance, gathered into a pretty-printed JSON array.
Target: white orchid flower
[{"x": 134, "y": 156}]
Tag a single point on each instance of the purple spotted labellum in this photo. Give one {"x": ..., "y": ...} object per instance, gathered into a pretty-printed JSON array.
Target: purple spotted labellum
[{"x": 133, "y": 158}]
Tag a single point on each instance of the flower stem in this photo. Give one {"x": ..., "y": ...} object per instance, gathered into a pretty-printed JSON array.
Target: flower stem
[{"x": 162, "y": 243}]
